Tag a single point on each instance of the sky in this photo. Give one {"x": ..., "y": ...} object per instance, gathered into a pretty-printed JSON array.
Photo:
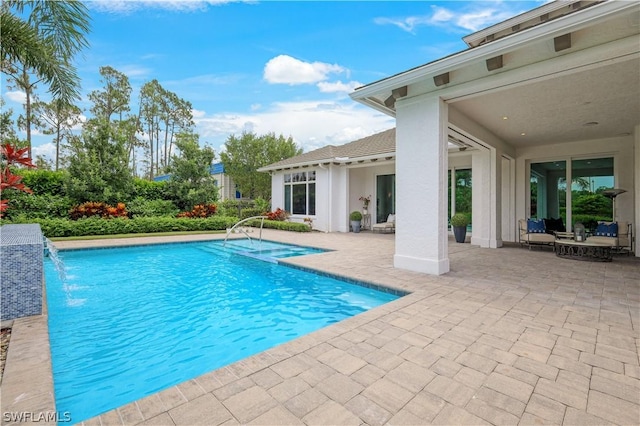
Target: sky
[{"x": 285, "y": 67}]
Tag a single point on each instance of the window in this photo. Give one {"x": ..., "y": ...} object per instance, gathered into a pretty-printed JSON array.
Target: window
[
  {"x": 548, "y": 190},
  {"x": 581, "y": 200},
  {"x": 300, "y": 193}
]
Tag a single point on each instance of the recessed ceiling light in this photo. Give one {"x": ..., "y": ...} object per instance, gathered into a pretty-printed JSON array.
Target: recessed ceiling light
[
  {"x": 523, "y": 134},
  {"x": 504, "y": 117},
  {"x": 591, "y": 123}
]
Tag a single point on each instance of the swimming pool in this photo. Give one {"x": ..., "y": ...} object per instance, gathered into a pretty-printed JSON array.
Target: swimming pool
[{"x": 127, "y": 322}]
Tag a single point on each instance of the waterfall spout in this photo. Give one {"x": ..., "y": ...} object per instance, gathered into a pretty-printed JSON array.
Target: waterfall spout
[{"x": 51, "y": 251}]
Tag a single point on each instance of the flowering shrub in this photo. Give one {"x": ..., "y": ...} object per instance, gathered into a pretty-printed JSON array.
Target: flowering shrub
[
  {"x": 103, "y": 210},
  {"x": 278, "y": 214},
  {"x": 10, "y": 155},
  {"x": 201, "y": 210}
]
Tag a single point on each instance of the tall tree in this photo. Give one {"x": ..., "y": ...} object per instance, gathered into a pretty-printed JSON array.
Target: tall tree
[
  {"x": 162, "y": 116},
  {"x": 178, "y": 117},
  {"x": 247, "y": 153},
  {"x": 44, "y": 43},
  {"x": 150, "y": 98},
  {"x": 98, "y": 166},
  {"x": 115, "y": 96},
  {"x": 191, "y": 182},
  {"x": 56, "y": 118}
]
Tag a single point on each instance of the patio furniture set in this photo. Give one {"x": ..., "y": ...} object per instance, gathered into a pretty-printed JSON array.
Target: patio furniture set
[{"x": 608, "y": 238}]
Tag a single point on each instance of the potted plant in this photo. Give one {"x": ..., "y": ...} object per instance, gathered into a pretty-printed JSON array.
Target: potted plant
[
  {"x": 459, "y": 222},
  {"x": 365, "y": 203},
  {"x": 356, "y": 218}
]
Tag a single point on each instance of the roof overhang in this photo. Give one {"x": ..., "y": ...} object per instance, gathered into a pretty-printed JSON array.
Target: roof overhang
[
  {"x": 531, "y": 18},
  {"x": 457, "y": 143},
  {"x": 337, "y": 161},
  {"x": 375, "y": 93},
  {"x": 583, "y": 66}
]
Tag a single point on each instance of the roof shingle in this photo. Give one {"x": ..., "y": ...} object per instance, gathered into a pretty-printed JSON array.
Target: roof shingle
[{"x": 374, "y": 145}]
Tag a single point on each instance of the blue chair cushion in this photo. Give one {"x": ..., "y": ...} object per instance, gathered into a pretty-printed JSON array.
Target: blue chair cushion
[
  {"x": 535, "y": 226},
  {"x": 607, "y": 229}
]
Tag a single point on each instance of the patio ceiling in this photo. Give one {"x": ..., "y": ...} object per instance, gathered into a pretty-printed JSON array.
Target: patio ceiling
[{"x": 593, "y": 104}]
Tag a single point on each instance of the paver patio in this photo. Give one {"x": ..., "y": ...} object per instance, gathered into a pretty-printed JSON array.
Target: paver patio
[{"x": 509, "y": 336}]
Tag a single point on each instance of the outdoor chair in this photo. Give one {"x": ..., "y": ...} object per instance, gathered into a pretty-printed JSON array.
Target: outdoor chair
[
  {"x": 386, "y": 227},
  {"x": 533, "y": 232},
  {"x": 616, "y": 234}
]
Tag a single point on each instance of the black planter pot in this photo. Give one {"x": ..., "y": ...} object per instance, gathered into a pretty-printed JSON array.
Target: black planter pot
[{"x": 460, "y": 233}]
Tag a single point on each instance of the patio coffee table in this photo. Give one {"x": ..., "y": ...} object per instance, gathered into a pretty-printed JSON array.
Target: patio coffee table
[{"x": 570, "y": 249}]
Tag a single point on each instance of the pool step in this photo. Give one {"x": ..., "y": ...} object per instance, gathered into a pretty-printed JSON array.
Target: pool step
[
  {"x": 261, "y": 251},
  {"x": 268, "y": 255}
]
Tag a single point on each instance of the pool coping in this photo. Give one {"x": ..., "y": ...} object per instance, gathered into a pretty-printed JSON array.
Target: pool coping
[
  {"x": 32, "y": 398},
  {"x": 27, "y": 381}
]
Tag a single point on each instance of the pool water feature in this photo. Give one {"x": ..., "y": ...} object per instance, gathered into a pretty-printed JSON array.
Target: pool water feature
[{"x": 127, "y": 322}]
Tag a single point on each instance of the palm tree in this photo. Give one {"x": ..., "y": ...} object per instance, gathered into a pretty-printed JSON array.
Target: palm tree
[{"x": 44, "y": 44}]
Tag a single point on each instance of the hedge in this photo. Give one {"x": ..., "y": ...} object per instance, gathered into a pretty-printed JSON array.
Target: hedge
[
  {"x": 44, "y": 182},
  {"x": 281, "y": 225},
  {"x": 52, "y": 228}
]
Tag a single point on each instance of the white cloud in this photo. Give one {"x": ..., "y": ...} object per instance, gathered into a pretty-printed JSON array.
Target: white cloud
[
  {"x": 338, "y": 86},
  {"x": 441, "y": 14},
  {"x": 284, "y": 69},
  {"x": 407, "y": 24},
  {"x": 17, "y": 96},
  {"x": 475, "y": 21},
  {"x": 311, "y": 124},
  {"x": 196, "y": 113},
  {"x": 481, "y": 15},
  {"x": 133, "y": 71},
  {"x": 47, "y": 150}
]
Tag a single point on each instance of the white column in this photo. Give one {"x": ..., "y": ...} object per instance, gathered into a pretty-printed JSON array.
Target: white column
[
  {"x": 486, "y": 184},
  {"x": 277, "y": 190},
  {"x": 495, "y": 234},
  {"x": 508, "y": 222},
  {"x": 421, "y": 185},
  {"x": 339, "y": 198},
  {"x": 480, "y": 196}
]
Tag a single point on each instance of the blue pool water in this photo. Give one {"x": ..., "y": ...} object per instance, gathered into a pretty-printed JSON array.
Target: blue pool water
[{"x": 127, "y": 322}]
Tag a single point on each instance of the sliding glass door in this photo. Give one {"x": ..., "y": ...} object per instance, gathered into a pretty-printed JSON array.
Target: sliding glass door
[
  {"x": 582, "y": 200},
  {"x": 588, "y": 179},
  {"x": 385, "y": 197}
]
